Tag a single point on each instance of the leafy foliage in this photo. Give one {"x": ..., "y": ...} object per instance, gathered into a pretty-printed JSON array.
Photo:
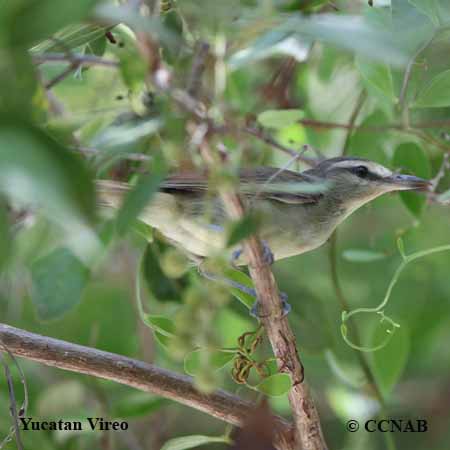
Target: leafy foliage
[{"x": 100, "y": 90}]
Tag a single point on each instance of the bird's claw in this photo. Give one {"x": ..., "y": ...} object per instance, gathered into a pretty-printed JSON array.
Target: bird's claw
[
  {"x": 286, "y": 307},
  {"x": 266, "y": 252},
  {"x": 234, "y": 258}
]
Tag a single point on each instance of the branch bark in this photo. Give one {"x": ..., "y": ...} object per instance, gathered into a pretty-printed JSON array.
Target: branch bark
[
  {"x": 137, "y": 374},
  {"x": 309, "y": 434}
]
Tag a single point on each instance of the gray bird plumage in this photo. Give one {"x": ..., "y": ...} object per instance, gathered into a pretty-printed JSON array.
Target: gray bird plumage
[{"x": 299, "y": 210}]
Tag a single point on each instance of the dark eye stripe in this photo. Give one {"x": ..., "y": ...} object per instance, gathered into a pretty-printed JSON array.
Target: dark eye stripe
[{"x": 365, "y": 174}]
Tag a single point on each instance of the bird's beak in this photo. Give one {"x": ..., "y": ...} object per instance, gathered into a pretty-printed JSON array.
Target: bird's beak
[{"x": 399, "y": 182}]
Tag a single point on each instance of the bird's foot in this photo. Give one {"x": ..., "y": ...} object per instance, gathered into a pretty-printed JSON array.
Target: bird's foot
[
  {"x": 235, "y": 257},
  {"x": 286, "y": 307},
  {"x": 267, "y": 255}
]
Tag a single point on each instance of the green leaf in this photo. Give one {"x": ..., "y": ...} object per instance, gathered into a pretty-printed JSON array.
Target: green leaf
[
  {"x": 213, "y": 359},
  {"x": 133, "y": 67},
  {"x": 139, "y": 197},
  {"x": 163, "y": 340},
  {"x": 437, "y": 10},
  {"x": 280, "y": 118},
  {"x": 354, "y": 33},
  {"x": 229, "y": 325},
  {"x": 275, "y": 385},
  {"x": 242, "y": 279},
  {"x": 411, "y": 28},
  {"x": 436, "y": 94},
  {"x": 269, "y": 44},
  {"x": 362, "y": 255},
  {"x": 128, "y": 15},
  {"x": 187, "y": 442},
  {"x": 370, "y": 145},
  {"x": 71, "y": 37},
  {"x": 445, "y": 196},
  {"x": 161, "y": 324},
  {"x": 97, "y": 46},
  {"x": 390, "y": 361},
  {"x": 53, "y": 15},
  {"x": 33, "y": 167},
  {"x": 159, "y": 285},
  {"x": 242, "y": 229},
  {"x": 59, "y": 279},
  {"x": 293, "y": 135},
  {"x": 378, "y": 75},
  {"x": 117, "y": 137},
  {"x": 410, "y": 157}
]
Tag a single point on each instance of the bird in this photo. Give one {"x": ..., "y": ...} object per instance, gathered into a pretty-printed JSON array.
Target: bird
[{"x": 299, "y": 210}]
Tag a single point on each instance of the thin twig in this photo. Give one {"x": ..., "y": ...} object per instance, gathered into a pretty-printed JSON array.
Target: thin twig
[
  {"x": 352, "y": 326},
  {"x": 13, "y": 407},
  {"x": 408, "y": 71},
  {"x": 64, "y": 74},
  {"x": 259, "y": 134},
  {"x": 445, "y": 166},
  {"x": 85, "y": 60},
  {"x": 275, "y": 174},
  {"x": 353, "y": 117},
  {"x": 198, "y": 66},
  {"x": 134, "y": 373},
  {"x": 429, "y": 124},
  {"x": 332, "y": 256}
]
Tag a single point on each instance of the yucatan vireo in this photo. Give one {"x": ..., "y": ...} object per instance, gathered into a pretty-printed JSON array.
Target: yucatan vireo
[{"x": 299, "y": 210}]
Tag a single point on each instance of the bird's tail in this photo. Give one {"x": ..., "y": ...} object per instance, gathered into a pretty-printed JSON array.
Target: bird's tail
[
  {"x": 110, "y": 194},
  {"x": 161, "y": 212}
]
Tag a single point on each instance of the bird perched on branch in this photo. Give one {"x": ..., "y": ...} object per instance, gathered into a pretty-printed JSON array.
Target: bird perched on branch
[{"x": 299, "y": 210}]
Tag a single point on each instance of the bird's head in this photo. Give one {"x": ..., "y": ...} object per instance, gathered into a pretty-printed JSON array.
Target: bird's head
[{"x": 355, "y": 181}]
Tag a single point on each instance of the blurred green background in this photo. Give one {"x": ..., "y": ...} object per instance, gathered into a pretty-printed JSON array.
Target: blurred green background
[{"x": 76, "y": 104}]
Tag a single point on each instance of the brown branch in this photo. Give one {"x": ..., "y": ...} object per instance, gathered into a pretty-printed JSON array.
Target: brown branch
[
  {"x": 308, "y": 433},
  {"x": 64, "y": 74},
  {"x": 282, "y": 339},
  {"x": 194, "y": 83},
  {"x": 134, "y": 373}
]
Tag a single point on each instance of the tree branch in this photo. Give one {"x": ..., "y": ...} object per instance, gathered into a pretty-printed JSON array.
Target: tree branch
[
  {"x": 282, "y": 339},
  {"x": 134, "y": 373},
  {"x": 306, "y": 419}
]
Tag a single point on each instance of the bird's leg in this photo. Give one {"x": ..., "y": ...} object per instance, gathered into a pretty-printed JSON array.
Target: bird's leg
[
  {"x": 224, "y": 280},
  {"x": 269, "y": 259}
]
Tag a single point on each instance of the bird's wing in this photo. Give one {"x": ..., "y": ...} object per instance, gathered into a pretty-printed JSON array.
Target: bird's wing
[{"x": 265, "y": 182}]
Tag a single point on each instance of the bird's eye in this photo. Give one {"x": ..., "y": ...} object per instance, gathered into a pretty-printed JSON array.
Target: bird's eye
[{"x": 361, "y": 171}]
